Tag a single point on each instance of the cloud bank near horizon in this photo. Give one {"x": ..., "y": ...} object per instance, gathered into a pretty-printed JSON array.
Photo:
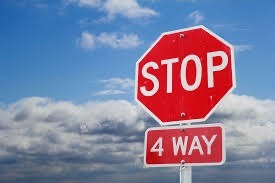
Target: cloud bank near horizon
[{"x": 41, "y": 135}]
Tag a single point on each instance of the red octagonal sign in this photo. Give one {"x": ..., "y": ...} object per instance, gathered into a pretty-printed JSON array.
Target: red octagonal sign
[{"x": 184, "y": 75}]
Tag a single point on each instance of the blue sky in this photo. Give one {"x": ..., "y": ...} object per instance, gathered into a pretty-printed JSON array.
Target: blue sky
[
  {"x": 69, "y": 63},
  {"x": 42, "y": 54}
]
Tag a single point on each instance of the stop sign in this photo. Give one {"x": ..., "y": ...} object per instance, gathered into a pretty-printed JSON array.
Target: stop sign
[{"x": 184, "y": 75}]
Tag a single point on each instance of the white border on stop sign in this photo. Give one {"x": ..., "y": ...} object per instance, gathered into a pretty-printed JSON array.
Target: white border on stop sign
[
  {"x": 185, "y": 127},
  {"x": 214, "y": 108}
]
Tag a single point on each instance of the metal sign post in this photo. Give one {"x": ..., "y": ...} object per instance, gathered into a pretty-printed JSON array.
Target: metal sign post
[{"x": 185, "y": 173}]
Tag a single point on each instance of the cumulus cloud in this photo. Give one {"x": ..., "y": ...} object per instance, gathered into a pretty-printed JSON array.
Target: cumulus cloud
[
  {"x": 196, "y": 17},
  {"x": 45, "y": 129},
  {"x": 124, "y": 83},
  {"x": 87, "y": 40},
  {"x": 113, "y": 40},
  {"x": 115, "y": 86},
  {"x": 40, "y": 4},
  {"x": 249, "y": 126},
  {"x": 130, "y": 9},
  {"x": 84, "y": 3},
  {"x": 60, "y": 140},
  {"x": 192, "y": 1},
  {"x": 109, "y": 92},
  {"x": 242, "y": 48},
  {"x": 231, "y": 27},
  {"x": 127, "y": 8}
]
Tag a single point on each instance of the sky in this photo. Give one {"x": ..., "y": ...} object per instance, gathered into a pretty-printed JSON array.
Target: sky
[{"x": 67, "y": 109}]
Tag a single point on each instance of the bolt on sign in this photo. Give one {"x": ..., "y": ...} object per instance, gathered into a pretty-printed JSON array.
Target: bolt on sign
[
  {"x": 184, "y": 75},
  {"x": 197, "y": 145}
]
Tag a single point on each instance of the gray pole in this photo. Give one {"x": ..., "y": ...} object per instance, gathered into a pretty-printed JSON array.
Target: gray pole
[{"x": 185, "y": 173}]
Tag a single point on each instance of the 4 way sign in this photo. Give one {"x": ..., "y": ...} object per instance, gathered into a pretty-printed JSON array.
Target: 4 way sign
[{"x": 197, "y": 145}]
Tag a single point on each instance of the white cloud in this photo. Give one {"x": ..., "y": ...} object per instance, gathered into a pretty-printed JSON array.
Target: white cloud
[
  {"x": 123, "y": 83},
  {"x": 127, "y": 8},
  {"x": 109, "y": 92},
  {"x": 249, "y": 125},
  {"x": 113, "y": 40},
  {"x": 192, "y": 1},
  {"x": 196, "y": 17},
  {"x": 55, "y": 125},
  {"x": 115, "y": 86},
  {"x": 242, "y": 48},
  {"x": 130, "y": 9},
  {"x": 40, "y": 4},
  {"x": 84, "y": 3},
  {"x": 87, "y": 40},
  {"x": 231, "y": 27},
  {"x": 37, "y": 130},
  {"x": 119, "y": 41}
]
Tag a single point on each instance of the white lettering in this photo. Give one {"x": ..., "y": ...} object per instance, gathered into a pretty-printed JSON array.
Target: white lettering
[
  {"x": 209, "y": 143},
  {"x": 151, "y": 77},
  {"x": 179, "y": 144},
  {"x": 195, "y": 145},
  {"x": 211, "y": 68},
  {"x": 157, "y": 147},
  {"x": 197, "y": 82},
  {"x": 169, "y": 81}
]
